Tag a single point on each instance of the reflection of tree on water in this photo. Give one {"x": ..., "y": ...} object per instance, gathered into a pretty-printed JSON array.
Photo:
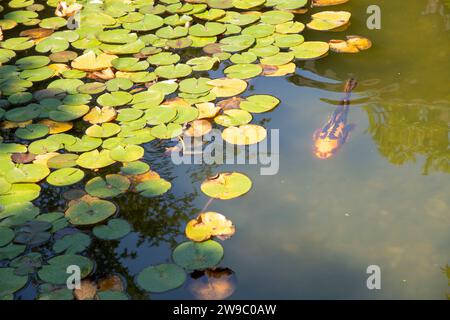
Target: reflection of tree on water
[{"x": 406, "y": 131}]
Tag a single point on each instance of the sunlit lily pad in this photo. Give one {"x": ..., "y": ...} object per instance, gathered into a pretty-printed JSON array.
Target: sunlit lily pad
[
  {"x": 233, "y": 117},
  {"x": 226, "y": 185},
  {"x": 244, "y": 135},
  {"x": 169, "y": 131},
  {"x": 111, "y": 186},
  {"x": 89, "y": 210},
  {"x": 259, "y": 103},
  {"x": 65, "y": 177},
  {"x": 95, "y": 159},
  {"x": 243, "y": 71},
  {"x": 153, "y": 187},
  {"x": 226, "y": 87},
  {"x": 329, "y": 20},
  {"x": 198, "y": 256},
  {"x": 127, "y": 153},
  {"x": 208, "y": 225},
  {"x": 161, "y": 278}
]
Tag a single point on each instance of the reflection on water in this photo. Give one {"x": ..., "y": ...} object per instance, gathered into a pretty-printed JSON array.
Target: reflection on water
[
  {"x": 331, "y": 137},
  {"x": 212, "y": 284}
]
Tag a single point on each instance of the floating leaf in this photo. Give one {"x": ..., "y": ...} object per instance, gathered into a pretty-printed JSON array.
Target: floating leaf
[
  {"x": 233, "y": 117},
  {"x": 55, "y": 272},
  {"x": 65, "y": 177},
  {"x": 111, "y": 186},
  {"x": 226, "y": 87},
  {"x": 226, "y": 185},
  {"x": 6, "y": 236},
  {"x": 95, "y": 159},
  {"x": 115, "y": 229},
  {"x": 208, "y": 225},
  {"x": 153, "y": 187},
  {"x": 114, "y": 99},
  {"x": 197, "y": 256},
  {"x": 244, "y": 134},
  {"x": 169, "y": 131},
  {"x": 10, "y": 282},
  {"x": 127, "y": 153},
  {"x": 354, "y": 44},
  {"x": 72, "y": 243},
  {"x": 100, "y": 115},
  {"x": 161, "y": 278},
  {"x": 243, "y": 71},
  {"x": 33, "y": 233},
  {"x": 259, "y": 103},
  {"x": 89, "y": 210},
  {"x": 329, "y": 20},
  {"x": 91, "y": 62}
]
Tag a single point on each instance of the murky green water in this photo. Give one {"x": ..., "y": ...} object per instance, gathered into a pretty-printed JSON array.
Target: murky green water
[{"x": 310, "y": 231}]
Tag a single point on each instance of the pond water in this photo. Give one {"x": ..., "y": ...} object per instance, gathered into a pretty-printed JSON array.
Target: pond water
[{"x": 311, "y": 230}]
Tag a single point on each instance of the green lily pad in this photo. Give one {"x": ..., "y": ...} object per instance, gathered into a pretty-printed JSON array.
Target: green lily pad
[
  {"x": 233, "y": 117},
  {"x": 227, "y": 185},
  {"x": 129, "y": 64},
  {"x": 159, "y": 114},
  {"x": 169, "y": 131},
  {"x": 134, "y": 168},
  {"x": 243, "y": 71},
  {"x": 17, "y": 44},
  {"x": 65, "y": 113},
  {"x": 278, "y": 59},
  {"x": 127, "y": 153},
  {"x": 149, "y": 22},
  {"x": 11, "y": 251},
  {"x": 26, "y": 264},
  {"x": 173, "y": 71},
  {"x": 276, "y": 17},
  {"x": 32, "y": 132},
  {"x": 84, "y": 144},
  {"x": 65, "y": 177},
  {"x": 27, "y": 173},
  {"x": 55, "y": 272},
  {"x": 111, "y": 186},
  {"x": 95, "y": 159},
  {"x": 115, "y": 229},
  {"x": 117, "y": 36},
  {"x": 52, "y": 45},
  {"x": 245, "y": 57},
  {"x": 310, "y": 50},
  {"x": 118, "y": 84},
  {"x": 153, "y": 187},
  {"x": 104, "y": 130},
  {"x": 92, "y": 88},
  {"x": 209, "y": 29},
  {"x": 72, "y": 243},
  {"x": 198, "y": 255},
  {"x": 21, "y": 114},
  {"x": 33, "y": 233},
  {"x": 114, "y": 99},
  {"x": 259, "y": 103},
  {"x": 288, "y": 40},
  {"x": 10, "y": 282},
  {"x": 6, "y": 236},
  {"x": 89, "y": 211},
  {"x": 163, "y": 58},
  {"x": 237, "y": 43},
  {"x": 32, "y": 62},
  {"x": 161, "y": 278}
]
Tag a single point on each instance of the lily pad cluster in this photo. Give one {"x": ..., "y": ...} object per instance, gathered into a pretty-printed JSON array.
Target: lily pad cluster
[{"x": 90, "y": 87}]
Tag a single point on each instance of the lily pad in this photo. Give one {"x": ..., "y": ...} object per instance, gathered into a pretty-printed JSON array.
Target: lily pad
[
  {"x": 10, "y": 282},
  {"x": 89, "y": 211},
  {"x": 243, "y": 71},
  {"x": 259, "y": 103},
  {"x": 198, "y": 256},
  {"x": 244, "y": 135},
  {"x": 111, "y": 186},
  {"x": 226, "y": 185},
  {"x": 72, "y": 243},
  {"x": 208, "y": 225},
  {"x": 161, "y": 278},
  {"x": 115, "y": 229},
  {"x": 65, "y": 177},
  {"x": 153, "y": 187},
  {"x": 55, "y": 272}
]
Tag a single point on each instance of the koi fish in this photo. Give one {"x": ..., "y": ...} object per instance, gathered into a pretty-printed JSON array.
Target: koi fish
[{"x": 334, "y": 134}]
